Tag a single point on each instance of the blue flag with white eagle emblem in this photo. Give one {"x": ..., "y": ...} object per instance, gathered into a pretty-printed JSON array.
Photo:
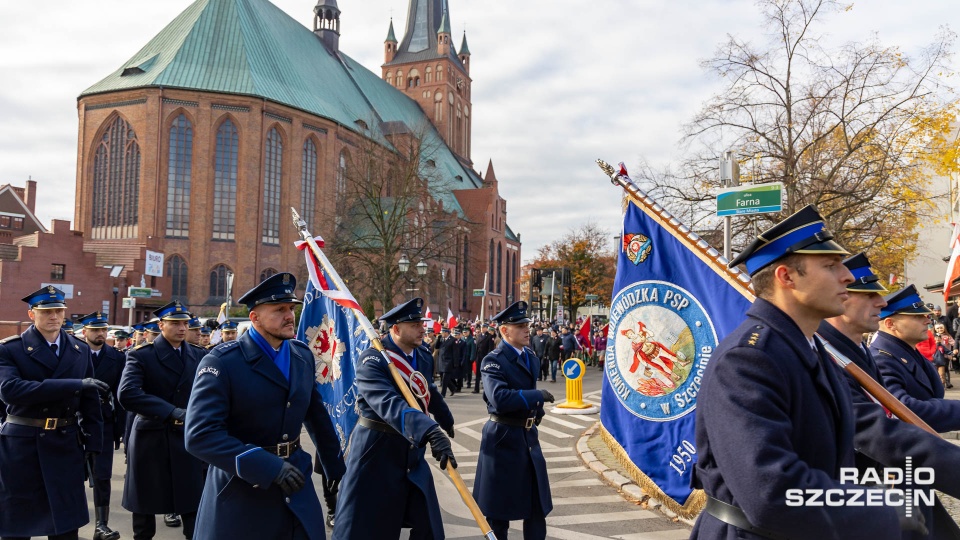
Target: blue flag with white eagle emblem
[
  {"x": 336, "y": 339},
  {"x": 672, "y": 304}
]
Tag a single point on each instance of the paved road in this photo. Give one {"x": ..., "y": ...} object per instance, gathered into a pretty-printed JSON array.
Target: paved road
[{"x": 584, "y": 507}]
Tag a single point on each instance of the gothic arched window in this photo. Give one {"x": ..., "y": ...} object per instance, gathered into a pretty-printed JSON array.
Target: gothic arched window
[
  {"x": 272, "y": 171},
  {"x": 116, "y": 182},
  {"x": 179, "y": 172},
  {"x": 177, "y": 270},
  {"x": 308, "y": 182},
  {"x": 499, "y": 268},
  {"x": 225, "y": 182},
  {"x": 218, "y": 283}
]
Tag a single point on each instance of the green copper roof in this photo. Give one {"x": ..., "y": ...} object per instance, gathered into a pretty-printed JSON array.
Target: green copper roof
[
  {"x": 510, "y": 235},
  {"x": 391, "y": 37},
  {"x": 463, "y": 46},
  {"x": 444, "y": 24}
]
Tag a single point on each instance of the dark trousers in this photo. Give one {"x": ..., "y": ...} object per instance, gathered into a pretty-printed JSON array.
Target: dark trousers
[
  {"x": 145, "y": 525},
  {"x": 447, "y": 381},
  {"x": 544, "y": 369},
  {"x": 101, "y": 492},
  {"x": 468, "y": 373},
  {"x": 72, "y": 535},
  {"x": 534, "y": 528}
]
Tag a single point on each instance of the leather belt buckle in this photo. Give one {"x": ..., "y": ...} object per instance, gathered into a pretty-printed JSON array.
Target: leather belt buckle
[
  {"x": 283, "y": 450},
  {"x": 529, "y": 423},
  {"x": 50, "y": 424},
  {"x": 178, "y": 422}
]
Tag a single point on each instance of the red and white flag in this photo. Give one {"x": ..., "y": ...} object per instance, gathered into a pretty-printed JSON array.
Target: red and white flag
[
  {"x": 953, "y": 267},
  {"x": 319, "y": 280},
  {"x": 585, "y": 334},
  {"x": 451, "y": 320},
  {"x": 437, "y": 326},
  {"x": 427, "y": 315}
]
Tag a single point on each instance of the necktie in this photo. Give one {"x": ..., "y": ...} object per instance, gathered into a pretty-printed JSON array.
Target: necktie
[
  {"x": 96, "y": 359},
  {"x": 53, "y": 347}
]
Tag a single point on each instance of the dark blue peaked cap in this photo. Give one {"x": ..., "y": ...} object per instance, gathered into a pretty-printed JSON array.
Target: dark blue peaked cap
[
  {"x": 227, "y": 325},
  {"x": 411, "y": 310},
  {"x": 906, "y": 301},
  {"x": 803, "y": 233},
  {"x": 864, "y": 280},
  {"x": 205, "y": 331},
  {"x": 276, "y": 289},
  {"x": 48, "y": 297},
  {"x": 138, "y": 327},
  {"x": 516, "y": 313},
  {"x": 174, "y": 311},
  {"x": 152, "y": 326},
  {"x": 194, "y": 323},
  {"x": 94, "y": 320}
]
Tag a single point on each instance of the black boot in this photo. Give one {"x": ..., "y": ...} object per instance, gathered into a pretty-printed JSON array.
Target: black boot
[
  {"x": 102, "y": 532},
  {"x": 171, "y": 520}
]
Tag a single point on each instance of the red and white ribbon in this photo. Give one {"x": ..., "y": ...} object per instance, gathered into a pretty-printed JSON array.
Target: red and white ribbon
[{"x": 344, "y": 298}]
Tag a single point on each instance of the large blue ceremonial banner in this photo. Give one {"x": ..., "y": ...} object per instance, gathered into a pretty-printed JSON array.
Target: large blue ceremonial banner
[
  {"x": 672, "y": 303},
  {"x": 336, "y": 339}
]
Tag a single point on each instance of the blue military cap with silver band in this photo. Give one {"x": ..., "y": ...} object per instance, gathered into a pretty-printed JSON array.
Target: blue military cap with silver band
[
  {"x": 94, "y": 320},
  {"x": 864, "y": 280},
  {"x": 227, "y": 325},
  {"x": 194, "y": 323},
  {"x": 205, "y": 330},
  {"x": 802, "y": 233},
  {"x": 276, "y": 289},
  {"x": 174, "y": 311},
  {"x": 516, "y": 313},
  {"x": 906, "y": 301},
  {"x": 48, "y": 297},
  {"x": 152, "y": 326},
  {"x": 411, "y": 310}
]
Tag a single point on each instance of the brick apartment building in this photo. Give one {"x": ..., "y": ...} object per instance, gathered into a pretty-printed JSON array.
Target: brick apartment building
[{"x": 200, "y": 143}]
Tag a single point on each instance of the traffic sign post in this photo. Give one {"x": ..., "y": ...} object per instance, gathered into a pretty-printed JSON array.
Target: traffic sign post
[
  {"x": 139, "y": 292},
  {"x": 755, "y": 199},
  {"x": 479, "y": 292},
  {"x": 573, "y": 370}
]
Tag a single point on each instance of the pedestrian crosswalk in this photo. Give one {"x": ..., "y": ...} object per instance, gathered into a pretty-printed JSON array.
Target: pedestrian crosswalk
[{"x": 585, "y": 508}]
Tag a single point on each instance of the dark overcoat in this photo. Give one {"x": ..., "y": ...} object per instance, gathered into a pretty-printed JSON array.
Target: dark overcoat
[
  {"x": 383, "y": 469},
  {"x": 41, "y": 471},
  {"x": 241, "y": 403},
  {"x": 774, "y": 415},
  {"x": 108, "y": 367},
  {"x": 449, "y": 361},
  {"x": 511, "y": 481},
  {"x": 162, "y": 478},
  {"x": 882, "y": 440},
  {"x": 914, "y": 381}
]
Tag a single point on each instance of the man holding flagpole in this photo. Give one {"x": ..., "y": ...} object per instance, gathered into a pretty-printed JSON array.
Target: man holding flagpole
[
  {"x": 250, "y": 400},
  {"x": 386, "y": 469}
]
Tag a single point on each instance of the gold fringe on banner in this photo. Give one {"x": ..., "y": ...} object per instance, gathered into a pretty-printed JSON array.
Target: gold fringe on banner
[{"x": 690, "y": 508}]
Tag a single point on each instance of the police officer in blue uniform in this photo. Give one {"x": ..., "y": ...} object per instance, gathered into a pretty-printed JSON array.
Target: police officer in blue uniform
[
  {"x": 151, "y": 330},
  {"x": 162, "y": 477},
  {"x": 881, "y": 439},
  {"x": 906, "y": 373},
  {"x": 53, "y": 425},
  {"x": 388, "y": 485},
  {"x": 511, "y": 481},
  {"x": 108, "y": 365},
  {"x": 773, "y": 413},
  {"x": 193, "y": 331},
  {"x": 251, "y": 398},
  {"x": 228, "y": 331}
]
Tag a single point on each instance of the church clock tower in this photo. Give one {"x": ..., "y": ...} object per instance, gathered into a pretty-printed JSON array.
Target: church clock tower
[{"x": 426, "y": 66}]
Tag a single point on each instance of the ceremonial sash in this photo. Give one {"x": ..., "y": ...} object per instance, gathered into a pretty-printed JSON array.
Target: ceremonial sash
[{"x": 416, "y": 380}]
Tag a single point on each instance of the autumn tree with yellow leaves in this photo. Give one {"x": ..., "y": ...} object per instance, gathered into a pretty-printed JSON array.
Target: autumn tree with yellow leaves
[{"x": 857, "y": 130}]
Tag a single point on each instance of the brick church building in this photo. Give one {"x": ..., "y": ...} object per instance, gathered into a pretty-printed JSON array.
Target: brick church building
[{"x": 199, "y": 144}]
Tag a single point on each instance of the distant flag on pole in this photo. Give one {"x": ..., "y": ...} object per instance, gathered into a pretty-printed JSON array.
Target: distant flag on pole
[
  {"x": 437, "y": 326},
  {"x": 584, "y": 333},
  {"x": 427, "y": 315},
  {"x": 331, "y": 330},
  {"x": 451, "y": 320},
  {"x": 216, "y": 335},
  {"x": 673, "y": 302},
  {"x": 953, "y": 267}
]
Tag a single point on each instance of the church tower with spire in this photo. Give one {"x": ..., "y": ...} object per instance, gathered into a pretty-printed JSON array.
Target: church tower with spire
[{"x": 426, "y": 66}]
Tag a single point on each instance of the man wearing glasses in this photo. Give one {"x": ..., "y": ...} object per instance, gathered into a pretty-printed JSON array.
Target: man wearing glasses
[{"x": 906, "y": 373}]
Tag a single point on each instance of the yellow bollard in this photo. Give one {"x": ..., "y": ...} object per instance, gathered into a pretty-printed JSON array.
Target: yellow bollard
[{"x": 573, "y": 370}]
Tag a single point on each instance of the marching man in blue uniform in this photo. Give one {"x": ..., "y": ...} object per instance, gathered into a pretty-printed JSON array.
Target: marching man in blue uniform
[
  {"x": 388, "y": 485},
  {"x": 108, "y": 365},
  {"x": 906, "y": 373},
  {"x": 250, "y": 401},
  {"x": 162, "y": 478},
  {"x": 773, "y": 413},
  {"x": 882, "y": 439},
  {"x": 46, "y": 379},
  {"x": 511, "y": 482}
]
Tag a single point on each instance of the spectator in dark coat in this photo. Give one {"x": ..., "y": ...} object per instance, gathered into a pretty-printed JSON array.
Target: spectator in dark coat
[
  {"x": 458, "y": 351},
  {"x": 568, "y": 344},
  {"x": 551, "y": 353},
  {"x": 538, "y": 343},
  {"x": 469, "y": 356},
  {"x": 446, "y": 346},
  {"x": 485, "y": 345}
]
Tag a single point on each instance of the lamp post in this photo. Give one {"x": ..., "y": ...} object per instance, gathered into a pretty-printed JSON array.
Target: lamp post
[
  {"x": 116, "y": 291},
  {"x": 229, "y": 292},
  {"x": 404, "y": 265}
]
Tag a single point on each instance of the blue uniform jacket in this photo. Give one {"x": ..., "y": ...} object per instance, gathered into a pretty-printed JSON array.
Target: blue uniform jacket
[
  {"x": 883, "y": 441},
  {"x": 108, "y": 367},
  {"x": 914, "y": 381},
  {"x": 41, "y": 471},
  {"x": 383, "y": 468},
  {"x": 772, "y": 416},
  {"x": 511, "y": 481},
  {"x": 161, "y": 477},
  {"x": 241, "y": 402}
]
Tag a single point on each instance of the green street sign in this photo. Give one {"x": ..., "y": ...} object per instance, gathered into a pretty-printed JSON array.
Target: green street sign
[
  {"x": 590, "y": 297},
  {"x": 479, "y": 292},
  {"x": 753, "y": 199},
  {"x": 139, "y": 292}
]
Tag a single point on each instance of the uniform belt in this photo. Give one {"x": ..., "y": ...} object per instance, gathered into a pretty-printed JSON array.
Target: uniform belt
[
  {"x": 732, "y": 515},
  {"x": 284, "y": 450},
  {"x": 525, "y": 423},
  {"x": 45, "y": 423},
  {"x": 376, "y": 425}
]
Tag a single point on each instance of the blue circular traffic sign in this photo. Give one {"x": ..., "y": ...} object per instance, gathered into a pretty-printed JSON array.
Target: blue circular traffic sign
[{"x": 573, "y": 369}]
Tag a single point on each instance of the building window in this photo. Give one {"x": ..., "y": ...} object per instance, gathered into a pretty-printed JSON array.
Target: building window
[
  {"x": 177, "y": 270},
  {"x": 179, "y": 172},
  {"x": 218, "y": 283},
  {"x": 116, "y": 182},
  {"x": 341, "y": 194},
  {"x": 272, "y": 171},
  {"x": 18, "y": 223},
  {"x": 58, "y": 272},
  {"x": 490, "y": 284},
  {"x": 225, "y": 182},
  {"x": 267, "y": 272},
  {"x": 439, "y": 72},
  {"x": 499, "y": 267},
  {"x": 6, "y": 222},
  {"x": 308, "y": 182}
]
